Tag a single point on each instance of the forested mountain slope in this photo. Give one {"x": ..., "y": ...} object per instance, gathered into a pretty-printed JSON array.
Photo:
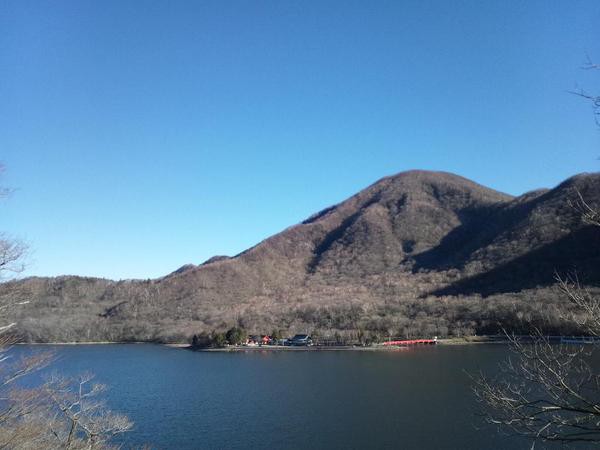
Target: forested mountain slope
[{"x": 415, "y": 253}]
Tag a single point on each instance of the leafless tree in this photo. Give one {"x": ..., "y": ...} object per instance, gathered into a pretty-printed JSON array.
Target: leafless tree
[
  {"x": 60, "y": 414},
  {"x": 592, "y": 98},
  {"x": 15, "y": 404},
  {"x": 81, "y": 419},
  {"x": 11, "y": 255},
  {"x": 546, "y": 391},
  {"x": 589, "y": 214}
]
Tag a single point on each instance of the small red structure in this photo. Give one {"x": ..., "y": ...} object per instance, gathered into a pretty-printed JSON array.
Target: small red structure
[{"x": 412, "y": 342}]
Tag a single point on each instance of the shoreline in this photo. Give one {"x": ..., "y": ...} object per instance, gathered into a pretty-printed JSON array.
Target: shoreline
[
  {"x": 376, "y": 348},
  {"x": 174, "y": 345},
  {"x": 474, "y": 340}
]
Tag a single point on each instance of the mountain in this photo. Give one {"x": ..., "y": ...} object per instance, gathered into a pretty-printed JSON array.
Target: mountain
[{"x": 426, "y": 250}]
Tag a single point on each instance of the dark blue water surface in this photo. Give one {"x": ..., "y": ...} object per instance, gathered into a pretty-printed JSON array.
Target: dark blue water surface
[{"x": 413, "y": 399}]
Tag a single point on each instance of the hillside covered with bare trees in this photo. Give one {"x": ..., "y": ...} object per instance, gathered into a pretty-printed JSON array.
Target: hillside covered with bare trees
[{"x": 415, "y": 254}]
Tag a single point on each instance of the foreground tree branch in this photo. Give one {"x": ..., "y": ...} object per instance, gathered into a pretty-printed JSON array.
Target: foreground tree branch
[
  {"x": 546, "y": 391},
  {"x": 82, "y": 418},
  {"x": 61, "y": 413}
]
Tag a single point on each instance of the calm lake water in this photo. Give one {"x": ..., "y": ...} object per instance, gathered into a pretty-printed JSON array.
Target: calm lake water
[{"x": 411, "y": 399}]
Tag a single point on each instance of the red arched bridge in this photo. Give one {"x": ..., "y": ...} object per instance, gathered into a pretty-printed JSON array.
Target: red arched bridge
[{"x": 412, "y": 342}]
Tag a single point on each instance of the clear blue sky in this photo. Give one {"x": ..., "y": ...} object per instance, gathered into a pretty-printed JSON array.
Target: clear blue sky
[{"x": 142, "y": 135}]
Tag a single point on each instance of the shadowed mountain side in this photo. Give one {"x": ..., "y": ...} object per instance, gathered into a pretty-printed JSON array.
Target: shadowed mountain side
[
  {"x": 477, "y": 226},
  {"x": 501, "y": 233},
  {"x": 576, "y": 253}
]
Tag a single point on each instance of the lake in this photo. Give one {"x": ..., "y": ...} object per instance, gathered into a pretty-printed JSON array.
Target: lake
[{"x": 418, "y": 398}]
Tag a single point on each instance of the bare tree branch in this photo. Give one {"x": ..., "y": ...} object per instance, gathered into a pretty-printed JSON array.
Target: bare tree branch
[
  {"x": 549, "y": 392},
  {"x": 62, "y": 413}
]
